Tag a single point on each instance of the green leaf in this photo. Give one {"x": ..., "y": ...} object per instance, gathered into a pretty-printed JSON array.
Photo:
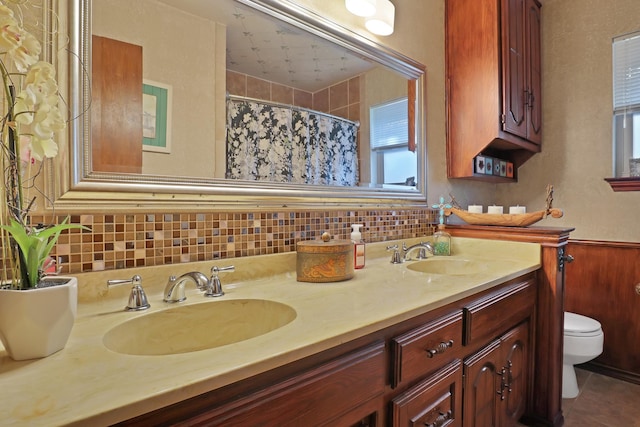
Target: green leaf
[{"x": 36, "y": 245}]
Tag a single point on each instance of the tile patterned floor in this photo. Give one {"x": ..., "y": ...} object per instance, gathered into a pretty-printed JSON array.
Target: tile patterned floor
[{"x": 602, "y": 402}]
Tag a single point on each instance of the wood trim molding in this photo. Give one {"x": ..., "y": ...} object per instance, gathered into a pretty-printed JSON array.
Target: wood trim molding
[
  {"x": 545, "y": 236},
  {"x": 624, "y": 184},
  {"x": 607, "y": 243},
  {"x": 599, "y": 368}
]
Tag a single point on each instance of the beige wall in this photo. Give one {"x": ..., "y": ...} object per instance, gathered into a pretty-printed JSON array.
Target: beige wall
[
  {"x": 169, "y": 60},
  {"x": 577, "y": 112}
]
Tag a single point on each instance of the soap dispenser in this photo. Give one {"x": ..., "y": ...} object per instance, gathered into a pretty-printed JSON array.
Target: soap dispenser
[
  {"x": 441, "y": 239},
  {"x": 358, "y": 246}
]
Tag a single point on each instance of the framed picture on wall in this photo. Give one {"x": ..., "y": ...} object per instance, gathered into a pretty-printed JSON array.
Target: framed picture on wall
[{"x": 156, "y": 116}]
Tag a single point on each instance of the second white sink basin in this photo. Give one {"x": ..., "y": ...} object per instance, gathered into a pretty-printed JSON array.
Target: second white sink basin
[
  {"x": 455, "y": 267},
  {"x": 194, "y": 327}
]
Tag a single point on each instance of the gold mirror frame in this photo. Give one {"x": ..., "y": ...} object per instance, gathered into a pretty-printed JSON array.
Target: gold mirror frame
[{"x": 82, "y": 188}]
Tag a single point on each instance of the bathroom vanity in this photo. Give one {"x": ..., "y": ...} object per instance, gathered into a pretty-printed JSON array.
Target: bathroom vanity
[
  {"x": 412, "y": 372},
  {"x": 454, "y": 335}
]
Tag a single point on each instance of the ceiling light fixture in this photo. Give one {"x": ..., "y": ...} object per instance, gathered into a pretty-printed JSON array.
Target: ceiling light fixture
[
  {"x": 361, "y": 7},
  {"x": 381, "y": 23}
]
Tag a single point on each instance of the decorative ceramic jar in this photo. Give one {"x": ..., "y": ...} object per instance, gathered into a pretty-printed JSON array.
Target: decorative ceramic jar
[{"x": 324, "y": 261}]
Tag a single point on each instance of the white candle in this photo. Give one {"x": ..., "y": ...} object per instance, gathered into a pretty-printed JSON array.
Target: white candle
[
  {"x": 517, "y": 209},
  {"x": 494, "y": 209},
  {"x": 475, "y": 208}
]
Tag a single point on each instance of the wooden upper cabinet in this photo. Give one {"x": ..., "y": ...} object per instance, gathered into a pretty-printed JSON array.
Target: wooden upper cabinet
[
  {"x": 116, "y": 106},
  {"x": 521, "y": 70},
  {"x": 493, "y": 83}
]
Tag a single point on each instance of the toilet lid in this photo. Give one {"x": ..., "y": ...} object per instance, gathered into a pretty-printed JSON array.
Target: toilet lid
[{"x": 578, "y": 323}]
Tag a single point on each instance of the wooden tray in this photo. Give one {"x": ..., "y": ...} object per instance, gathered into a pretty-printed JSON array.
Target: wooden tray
[{"x": 508, "y": 220}]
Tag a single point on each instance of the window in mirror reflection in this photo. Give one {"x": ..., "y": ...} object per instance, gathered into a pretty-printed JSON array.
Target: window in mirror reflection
[{"x": 391, "y": 161}]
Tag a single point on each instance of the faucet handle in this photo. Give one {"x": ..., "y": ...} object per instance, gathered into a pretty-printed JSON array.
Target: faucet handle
[
  {"x": 215, "y": 286},
  {"x": 215, "y": 269},
  {"x": 395, "y": 257},
  {"x": 137, "y": 298}
]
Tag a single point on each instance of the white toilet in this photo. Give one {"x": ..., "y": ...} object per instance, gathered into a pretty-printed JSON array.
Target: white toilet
[{"x": 583, "y": 340}]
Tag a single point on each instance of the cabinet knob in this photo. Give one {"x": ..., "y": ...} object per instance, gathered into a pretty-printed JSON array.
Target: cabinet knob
[
  {"x": 637, "y": 288},
  {"x": 441, "y": 348}
]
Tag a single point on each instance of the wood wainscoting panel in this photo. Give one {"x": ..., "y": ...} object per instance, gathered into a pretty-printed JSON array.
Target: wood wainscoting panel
[{"x": 601, "y": 283}]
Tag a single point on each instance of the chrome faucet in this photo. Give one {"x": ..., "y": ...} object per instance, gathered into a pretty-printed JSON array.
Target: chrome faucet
[
  {"x": 400, "y": 255},
  {"x": 422, "y": 247},
  {"x": 212, "y": 287}
]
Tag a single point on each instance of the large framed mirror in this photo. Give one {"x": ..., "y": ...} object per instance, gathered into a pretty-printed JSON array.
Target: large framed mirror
[{"x": 195, "y": 77}]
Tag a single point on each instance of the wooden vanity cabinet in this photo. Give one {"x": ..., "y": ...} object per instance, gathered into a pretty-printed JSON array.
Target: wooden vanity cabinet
[
  {"x": 407, "y": 374},
  {"x": 496, "y": 363},
  {"x": 497, "y": 377},
  {"x": 493, "y": 84},
  {"x": 346, "y": 390}
]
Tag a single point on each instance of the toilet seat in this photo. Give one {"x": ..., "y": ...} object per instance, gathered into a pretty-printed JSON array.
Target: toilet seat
[{"x": 577, "y": 325}]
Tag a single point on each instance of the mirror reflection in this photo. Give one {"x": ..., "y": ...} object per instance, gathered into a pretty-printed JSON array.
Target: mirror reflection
[{"x": 202, "y": 89}]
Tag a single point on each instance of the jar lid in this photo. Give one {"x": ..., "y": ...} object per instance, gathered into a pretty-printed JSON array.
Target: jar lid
[{"x": 318, "y": 246}]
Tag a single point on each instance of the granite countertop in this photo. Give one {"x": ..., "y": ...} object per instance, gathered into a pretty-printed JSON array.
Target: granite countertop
[{"x": 86, "y": 383}]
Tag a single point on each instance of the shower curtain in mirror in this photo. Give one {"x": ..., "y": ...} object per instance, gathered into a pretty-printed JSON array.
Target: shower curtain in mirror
[{"x": 273, "y": 143}]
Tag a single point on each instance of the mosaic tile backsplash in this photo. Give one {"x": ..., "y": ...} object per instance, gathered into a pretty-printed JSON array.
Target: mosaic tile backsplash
[{"x": 119, "y": 241}]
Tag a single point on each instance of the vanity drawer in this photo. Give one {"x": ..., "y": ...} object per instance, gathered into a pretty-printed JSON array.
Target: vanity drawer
[
  {"x": 435, "y": 401},
  {"x": 425, "y": 348},
  {"x": 493, "y": 314}
]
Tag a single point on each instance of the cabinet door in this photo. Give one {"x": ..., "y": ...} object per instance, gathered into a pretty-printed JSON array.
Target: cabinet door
[
  {"x": 434, "y": 402},
  {"x": 515, "y": 93},
  {"x": 481, "y": 387},
  {"x": 116, "y": 106},
  {"x": 514, "y": 381},
  {"x": 534, "y": 70},
  {"x": 521, "y": 69}
]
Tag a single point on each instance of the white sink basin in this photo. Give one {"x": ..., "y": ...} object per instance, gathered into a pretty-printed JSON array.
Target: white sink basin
[{"x": 187, "y": 328}]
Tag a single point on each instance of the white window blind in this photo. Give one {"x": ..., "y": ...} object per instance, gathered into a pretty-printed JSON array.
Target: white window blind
[
  {"x": 390, "y": 124},
  {"x": 626, "y": 72}
]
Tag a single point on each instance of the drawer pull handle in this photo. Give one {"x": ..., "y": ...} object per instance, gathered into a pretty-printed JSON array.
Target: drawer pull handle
[
  {"x": 441, "y": 348},
  {"x": 440, "y": 420}
]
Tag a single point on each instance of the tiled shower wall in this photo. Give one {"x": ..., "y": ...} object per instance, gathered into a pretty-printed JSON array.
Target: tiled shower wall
[
  {"x": 118, "y": 241},
  {"x": 341, "y": 99}
]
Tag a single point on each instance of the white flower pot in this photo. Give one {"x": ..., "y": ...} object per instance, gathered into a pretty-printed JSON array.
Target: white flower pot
[{"x": 35, "y": 323}]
